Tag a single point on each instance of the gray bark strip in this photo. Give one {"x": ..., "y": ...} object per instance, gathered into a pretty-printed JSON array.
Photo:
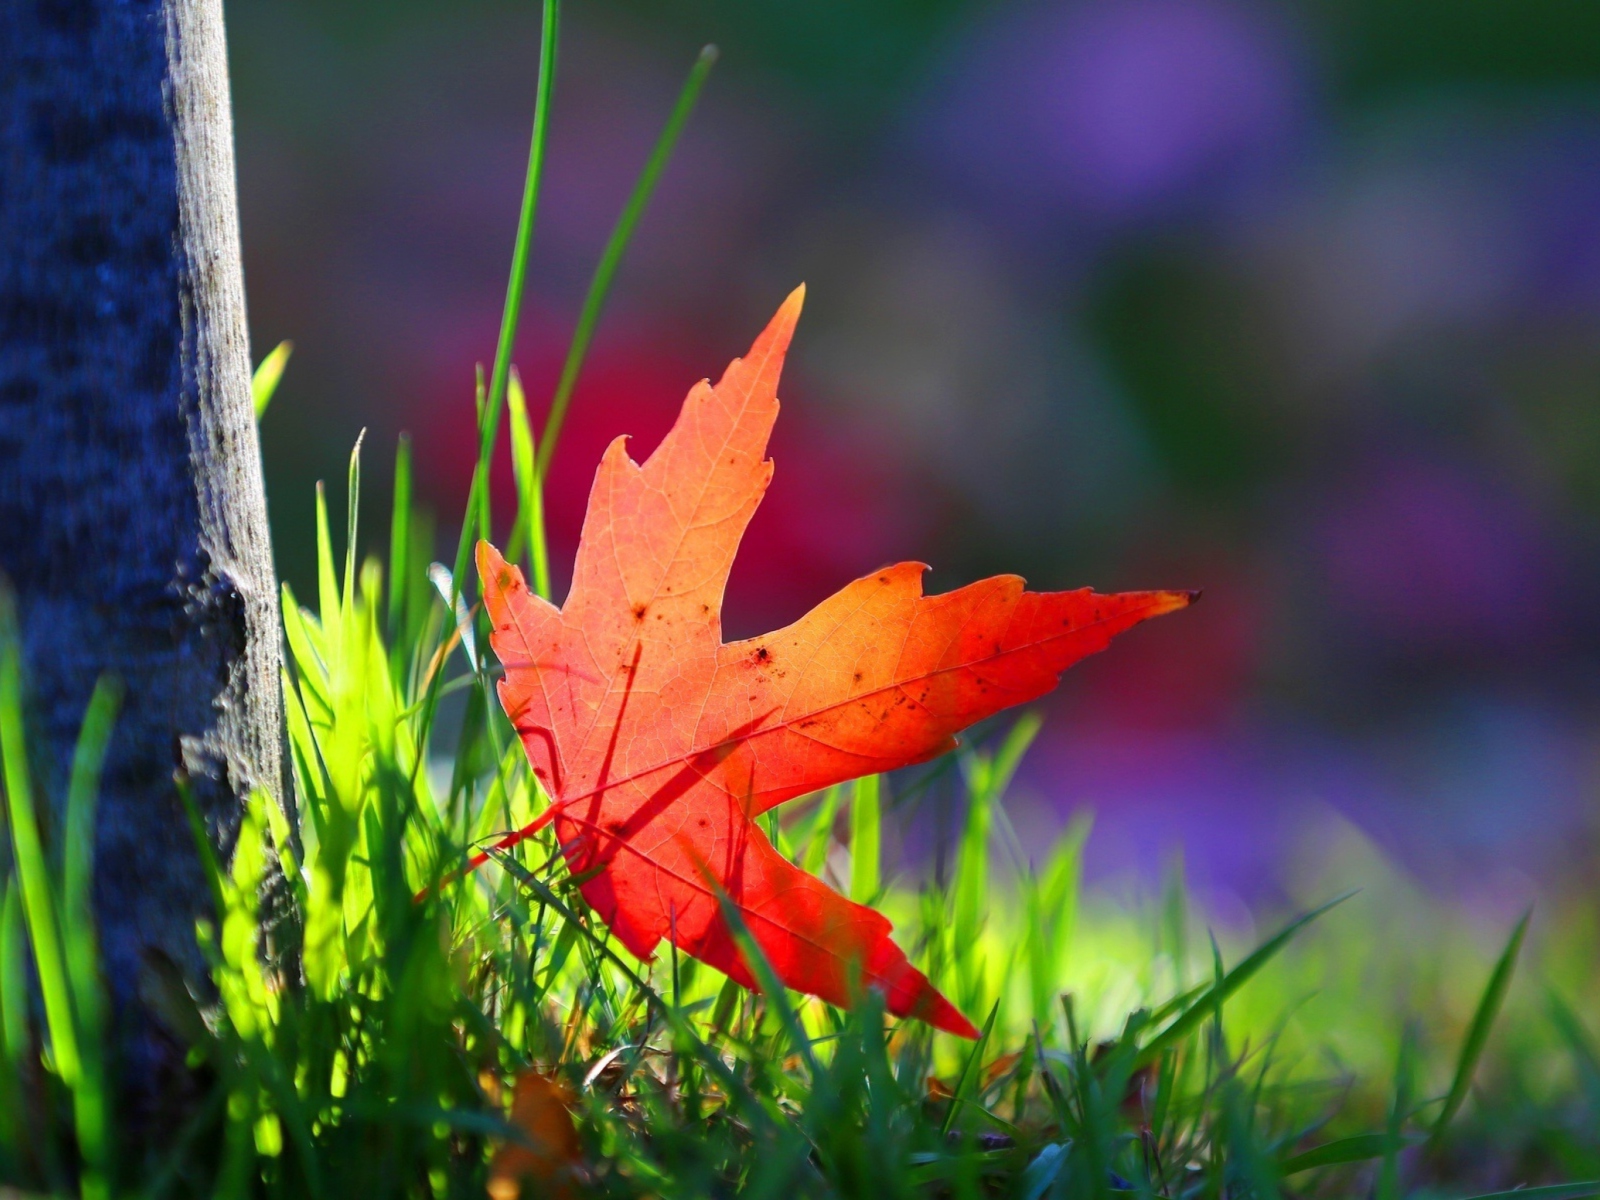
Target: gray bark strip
[{"x": 132, "y": 515}]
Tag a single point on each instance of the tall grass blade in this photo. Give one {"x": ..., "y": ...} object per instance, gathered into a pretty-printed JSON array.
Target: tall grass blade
[
  {"x": 1051, "y": 903},
  {"x": 327, "y": 580},
  {"x": 91, "y": 1101},
  {"x": 447, "y": 588},
  {"x": 1579, "y": 1044},
  {"x": 767, "y": 978},
  {"x": 511, "y": 314},
  {"x": 1009, "y": 757},
  {"x": 611, "y": 257},
  {"x": 530, "y": 526},
  {"x": 13, "y": 975},
  {"x": 866, "y": 835},
  {"x": 32, "y": 867},
  {"x": 967, "y": 1080},
  {"x": 1388, "y": 1184},
  {"x": 1042, "y": 1171},
  {"x": 1554, "y": 1191},
  {"x": 1494, "y": 994},
  {"x": 351, "y": 524},
  {"x": 209, "y": 865},
  {"x": 1363, "y": 1147},
  {"x": 1213, "y": 997},
  {"x": 969, "y": 891},
  {"x": 14, "y": 1041},
  {"x": 814, "y": 846},
  {"x": 83, "y": 790},
  {"x": 264, "y": 383},
  {"x": 400, "y": 538}
]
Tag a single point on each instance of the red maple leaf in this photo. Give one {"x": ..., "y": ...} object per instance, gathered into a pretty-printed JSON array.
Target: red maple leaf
[{"x": 660, "y": 744}]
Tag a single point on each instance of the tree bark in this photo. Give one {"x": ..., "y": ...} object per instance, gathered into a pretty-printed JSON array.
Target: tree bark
[{"x": 133, "y": 523}]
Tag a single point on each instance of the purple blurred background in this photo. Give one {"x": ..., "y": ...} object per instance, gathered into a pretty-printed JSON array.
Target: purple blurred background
[{"x": 1296, "y": 303}]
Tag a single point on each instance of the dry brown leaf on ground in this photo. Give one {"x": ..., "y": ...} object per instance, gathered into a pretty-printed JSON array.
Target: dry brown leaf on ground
[{"x": 540, "y": 1111}]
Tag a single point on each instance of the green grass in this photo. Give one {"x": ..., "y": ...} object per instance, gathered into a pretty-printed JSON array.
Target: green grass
[
  {"x": 354, "y": 1041},
  {"x": 366, "y": 1043}
]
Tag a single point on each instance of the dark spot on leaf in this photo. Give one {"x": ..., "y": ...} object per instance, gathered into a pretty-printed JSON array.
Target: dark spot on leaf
[
  {"x": 763, "y": 654},
  {"x": 639, "y": 610}
]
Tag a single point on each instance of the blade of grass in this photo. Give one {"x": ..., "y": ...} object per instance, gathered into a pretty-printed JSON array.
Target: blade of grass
[
  {"x": 866, "y": 826},
  {"x": 727, "y": 1000},
  {"x": 1217, "y": 997},
  {"x": 1579, "y": 1044},
  {"x": 814, "y": 849},
  {"x": 1180, "y": 1001},
  {"x": 265, "y": 380},
  {"x": 1554, "y": 1191},
  {"x": 1388, "y": 1184},
  {"x": 13, "y": 976},
  {"x": 489, "y": 418},
  {"x": 1213, "y": 997},
  {"x": 1050, "y": 903},
  {"x": 1360, "y": 1148},
  {"x": 33, "y": 870},
  {"x": 83, "y": 789},
  {"x": 611, "y": 257},
  {"x": 589, "y": 316},
  {"x": 1042, "y": 1171},
  {"x": 352, "y": 514},
  {"x": 969, "y": 892},
  {"x": 463, "y": 618},
  {"x": 766, "y": 977},
  {"x": 969, "y": 1073},
  {"x": 400, "y": 538},
  {"x": 327, "y": 581},
  {"x": 712, "y": 1060},
  {"x": 13, "y": 1018},
  {"x": 1494, "y": 994},
  {"x": 209, "y": 865},
  {"x": 511, "y": 314},
  {"x": 90, "y": 1101},
  {"x": 1009, "y": 757},
  {"x": 530, "y": 491}
]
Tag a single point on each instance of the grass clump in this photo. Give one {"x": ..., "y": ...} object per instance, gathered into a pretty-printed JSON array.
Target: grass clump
[{"x": 368, "y": 1043}]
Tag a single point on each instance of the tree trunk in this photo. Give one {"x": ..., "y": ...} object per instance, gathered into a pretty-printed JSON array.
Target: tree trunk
[{"x": 133, "y": 522}]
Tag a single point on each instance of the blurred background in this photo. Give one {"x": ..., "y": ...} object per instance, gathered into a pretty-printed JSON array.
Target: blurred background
[{"x": 1298, "y": 303}]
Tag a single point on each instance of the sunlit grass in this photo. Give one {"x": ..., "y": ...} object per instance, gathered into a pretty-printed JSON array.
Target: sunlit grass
[
  {"x": 1113, "y": 1022},
  {"x": 365, "y": 1041}
]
